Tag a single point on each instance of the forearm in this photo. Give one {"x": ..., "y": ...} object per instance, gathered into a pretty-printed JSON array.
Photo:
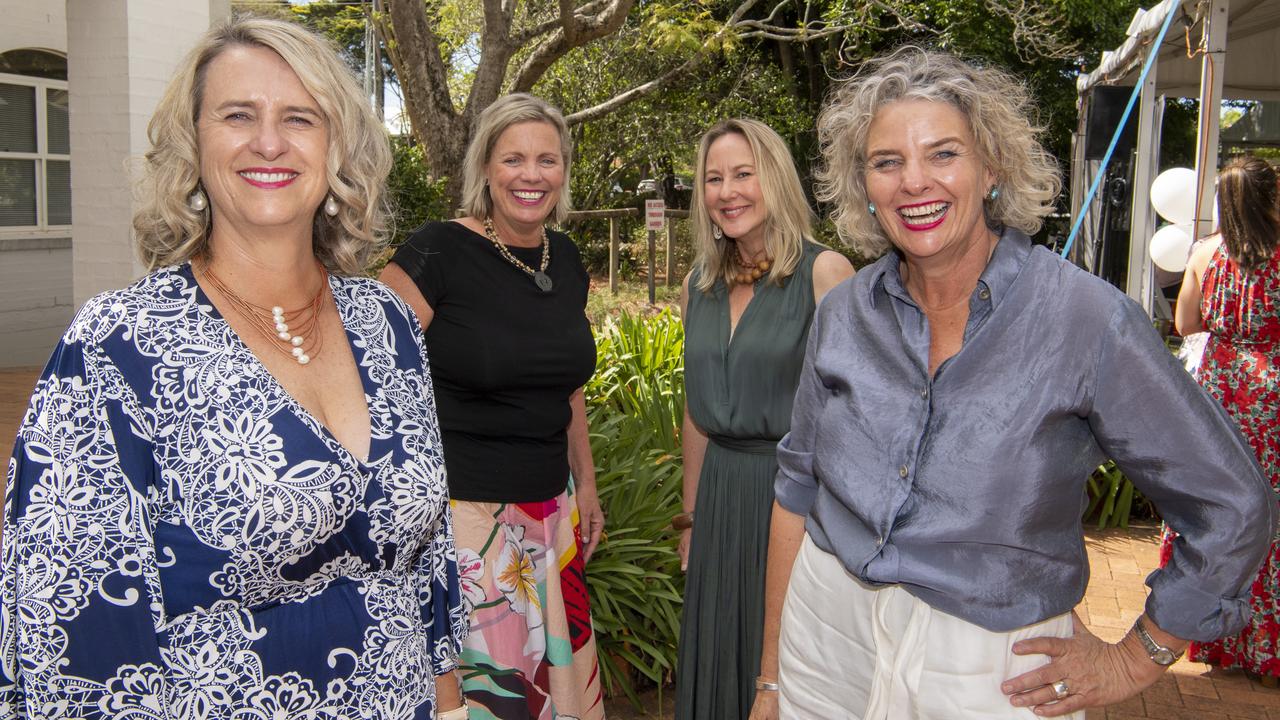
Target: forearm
[
  {"x": 581, "y": 464},
  {"x": 693, "y": 443},
  {"x": 786, "y": 531},
  {"x": 448, "y": 691},
  {"x": 1187, "y": 317}
]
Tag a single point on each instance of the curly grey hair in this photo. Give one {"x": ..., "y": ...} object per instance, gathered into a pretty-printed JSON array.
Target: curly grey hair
[{"x": 997, "y": 107}]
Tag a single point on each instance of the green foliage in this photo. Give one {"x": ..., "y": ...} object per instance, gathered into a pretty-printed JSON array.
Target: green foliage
[
  {"x": 1113, "y": 499},
  {"x": 415, "y": 196},
  {"x": 635, "y": 405},
  {"x": 342, "y": 23}
]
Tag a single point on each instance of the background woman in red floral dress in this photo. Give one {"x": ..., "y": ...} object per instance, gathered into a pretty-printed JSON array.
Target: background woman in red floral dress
[{"x": 1232, "y": 290}]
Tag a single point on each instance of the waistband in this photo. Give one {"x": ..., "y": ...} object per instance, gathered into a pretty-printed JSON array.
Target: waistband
[{"x": 753, "y": 446}]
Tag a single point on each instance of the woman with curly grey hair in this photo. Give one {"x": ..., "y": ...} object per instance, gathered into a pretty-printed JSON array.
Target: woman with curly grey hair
[
  {"x": 227, "y": 497},
  {"x": 926, "y": 541}
]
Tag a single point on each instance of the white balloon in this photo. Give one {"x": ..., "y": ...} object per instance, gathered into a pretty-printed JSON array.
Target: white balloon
[
  {"x": 1170, "y": 246},
  {"x": 1173, "y": 195}
]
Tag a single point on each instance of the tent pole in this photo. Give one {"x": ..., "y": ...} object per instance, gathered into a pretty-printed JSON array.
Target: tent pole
[
  {"x": 1213, "y": 67},
  {"x": 1142, "y": 217}
]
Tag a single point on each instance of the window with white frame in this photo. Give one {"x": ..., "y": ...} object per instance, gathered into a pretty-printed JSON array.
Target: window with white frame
[{"x": 35, "y": 145}]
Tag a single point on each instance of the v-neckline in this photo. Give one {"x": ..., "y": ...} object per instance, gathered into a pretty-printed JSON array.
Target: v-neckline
[
  {"x": 321, "y": 430},
  {"x": 732, "y": 330}
]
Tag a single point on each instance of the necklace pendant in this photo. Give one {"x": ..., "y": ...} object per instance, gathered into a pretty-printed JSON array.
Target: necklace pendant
[{"x": 543, "y": 281}]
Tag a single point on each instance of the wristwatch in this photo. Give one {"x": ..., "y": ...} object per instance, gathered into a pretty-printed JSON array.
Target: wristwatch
[{"x": 1158, "y": 653}]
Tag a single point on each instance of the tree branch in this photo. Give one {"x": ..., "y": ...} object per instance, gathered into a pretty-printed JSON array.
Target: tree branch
[
  {"x": 496, "y": 49},
  {"x": 634, "y": 93},
  {"x": 422, "y": 72},
  {"x": 523, "y": 37},
  {"x": 1036, "y": 30},
  {"x": 584, "y": 30}
]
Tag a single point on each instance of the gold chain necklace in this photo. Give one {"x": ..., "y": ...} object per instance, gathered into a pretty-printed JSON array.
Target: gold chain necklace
[
  {"x": 291, "y": 332},
  {"x": 540, "y": 277}
]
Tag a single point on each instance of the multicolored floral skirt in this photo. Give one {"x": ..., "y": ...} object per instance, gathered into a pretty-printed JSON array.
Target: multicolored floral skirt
[{"x": 531, "y": 653}]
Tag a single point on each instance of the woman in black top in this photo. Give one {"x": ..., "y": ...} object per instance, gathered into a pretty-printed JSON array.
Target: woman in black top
[{"x": 502, "y": 301}]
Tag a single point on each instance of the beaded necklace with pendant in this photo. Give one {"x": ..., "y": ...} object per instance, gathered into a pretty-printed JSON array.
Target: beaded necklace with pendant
[{"x": 540, "y": 277}]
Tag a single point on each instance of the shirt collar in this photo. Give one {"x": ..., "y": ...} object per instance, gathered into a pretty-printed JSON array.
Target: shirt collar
[{"x": 1010, "y": 254}]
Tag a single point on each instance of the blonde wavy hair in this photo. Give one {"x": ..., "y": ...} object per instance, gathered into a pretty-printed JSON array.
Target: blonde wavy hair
[
  {"x": 168, "y": 231},
  {"x": 788, "y": 217},
  {"x": 506, "y": 111},
  {"x": 997, "y": 107}
]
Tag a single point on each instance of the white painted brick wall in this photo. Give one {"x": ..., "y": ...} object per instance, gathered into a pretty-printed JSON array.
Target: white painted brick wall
[
  {"x": 33, "y": 24},
  {"x": 121, "y": 55},
  {"x": 98, "y": 77},
  {"x": 35, "y": 278},
  {"x": 35, "y": 302}
]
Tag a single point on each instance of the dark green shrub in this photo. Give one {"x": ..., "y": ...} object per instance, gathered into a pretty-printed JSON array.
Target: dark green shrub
[{"x": 415, "y": 195}]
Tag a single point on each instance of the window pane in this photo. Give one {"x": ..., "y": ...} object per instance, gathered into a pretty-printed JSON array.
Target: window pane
[
  {"x": 58, "y": 191},
  {"x": 59, "y": 134},
  {"x": 17, "y": 192},
  {"x": 39, "y": 63},
  {"x": 17, "y": 118}
]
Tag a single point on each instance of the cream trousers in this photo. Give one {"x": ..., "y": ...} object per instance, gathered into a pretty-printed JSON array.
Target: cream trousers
[{"x": 850, "y": 651}]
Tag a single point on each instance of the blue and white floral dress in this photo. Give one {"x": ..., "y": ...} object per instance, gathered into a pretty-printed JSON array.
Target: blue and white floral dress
[{"x": 183, "y": 540}]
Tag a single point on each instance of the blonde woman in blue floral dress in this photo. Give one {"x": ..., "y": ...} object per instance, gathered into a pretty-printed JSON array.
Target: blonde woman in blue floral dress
[{"x": 227, "y": 498}]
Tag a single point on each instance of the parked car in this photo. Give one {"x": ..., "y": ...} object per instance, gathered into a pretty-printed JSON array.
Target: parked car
[{"x": 646, "y": 186}]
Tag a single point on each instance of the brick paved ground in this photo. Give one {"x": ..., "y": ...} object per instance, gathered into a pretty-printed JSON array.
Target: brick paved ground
[
  {"x": 15, "y": 391},
  {"x": 1120, "y": 559}
]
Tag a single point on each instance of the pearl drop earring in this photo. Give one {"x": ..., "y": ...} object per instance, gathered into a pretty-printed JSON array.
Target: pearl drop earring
[
  {"x": 330, "y": 206},
  {"x": 871, "y": 208},
  {"x": 197, "y": 201}
]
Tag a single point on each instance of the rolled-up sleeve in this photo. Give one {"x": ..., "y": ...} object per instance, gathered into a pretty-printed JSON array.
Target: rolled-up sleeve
[
  {"x": 1182, "y": 450},
  {"x": 796, "y": 486}
]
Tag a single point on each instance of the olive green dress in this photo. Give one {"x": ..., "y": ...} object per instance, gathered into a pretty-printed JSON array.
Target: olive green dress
[{"x": 739, "y": 392}]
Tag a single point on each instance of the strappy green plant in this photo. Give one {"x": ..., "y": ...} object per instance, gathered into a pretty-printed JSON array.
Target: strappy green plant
[{"x": 635, "y": 405}]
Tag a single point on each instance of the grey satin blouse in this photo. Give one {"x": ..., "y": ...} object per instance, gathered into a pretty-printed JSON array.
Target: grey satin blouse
[{"x": 967, "y": 489}]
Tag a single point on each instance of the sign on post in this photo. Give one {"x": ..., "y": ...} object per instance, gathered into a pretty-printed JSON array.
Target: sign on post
[{"x": 654, "y": 219}]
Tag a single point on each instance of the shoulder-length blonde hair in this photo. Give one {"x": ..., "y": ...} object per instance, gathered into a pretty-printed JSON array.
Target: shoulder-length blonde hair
[
  {"x": 506, "y": 111},
  {"x": 168, "y": 231},
  {"x": 788, "y": 217},
  {"x": 997, "y": 107}
]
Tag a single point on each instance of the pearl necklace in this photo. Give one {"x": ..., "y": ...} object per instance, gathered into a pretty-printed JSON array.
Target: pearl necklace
[{"x": 291, "y": 332}]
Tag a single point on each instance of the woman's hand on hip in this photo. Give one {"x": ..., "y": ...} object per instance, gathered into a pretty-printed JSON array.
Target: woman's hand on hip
[
  {"x": 590, "y": 518},
  {"x": 766, "y": 705},
  {"x": 1095, "y": 673}
]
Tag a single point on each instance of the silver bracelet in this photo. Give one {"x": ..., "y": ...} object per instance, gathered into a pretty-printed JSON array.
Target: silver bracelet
[
  {"x": 762, "y": 684},
  {"x": 458, "y": 713}
]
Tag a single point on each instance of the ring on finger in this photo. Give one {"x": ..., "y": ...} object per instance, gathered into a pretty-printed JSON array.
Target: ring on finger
[{"x": 1061, "y": 689}]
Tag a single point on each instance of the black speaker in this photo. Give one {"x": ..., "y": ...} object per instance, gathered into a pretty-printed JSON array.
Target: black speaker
[
  {"x": 1111, "y": 262},
  {"x": 1106, "y": 105}
]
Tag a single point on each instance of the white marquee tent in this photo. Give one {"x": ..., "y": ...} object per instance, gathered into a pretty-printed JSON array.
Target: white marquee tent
[{"x": 1213, "y": 50}]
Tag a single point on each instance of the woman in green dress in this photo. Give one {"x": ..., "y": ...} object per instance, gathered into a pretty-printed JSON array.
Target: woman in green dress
[{"x": 747, "y": 304}]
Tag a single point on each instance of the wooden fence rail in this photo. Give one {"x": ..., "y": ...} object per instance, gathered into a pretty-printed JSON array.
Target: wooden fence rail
[{"x": 612, "y": 215}]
